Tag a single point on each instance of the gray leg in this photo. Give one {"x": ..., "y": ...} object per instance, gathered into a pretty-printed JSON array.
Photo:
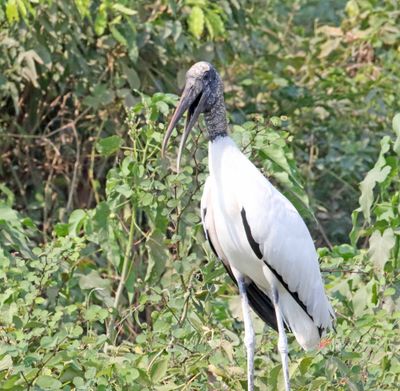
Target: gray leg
[
  {"x": 282, "y": 340},
  {"x": 249, "y": 336}
]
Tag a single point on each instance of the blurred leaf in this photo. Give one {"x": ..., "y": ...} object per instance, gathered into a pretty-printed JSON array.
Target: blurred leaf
[
  {"x": 158, "y": 256},
  {"x": 76, "y": 221},
  {"x": 396, "y": 128},
  {"x": 93, "y": 280},
  {"x": 95, "y": 312},
  {"x": 196, "y": 21},
  {"x": 123, "y": 10},
  {"x": 214, "y": 24},
  {"x": 119, "y": 37},
  {"x": 109, "y": 145},
  {"x": 8, "y": 214},
  {"x": 380, "y": 247},
  {"x": 101, "y": 96},
  {"x": 159, "y": 369},
  {"x": 48, "y": 383},
  {"x": 61, "y": 229},
  {"x": 352, "y": 8},
  {"x": 83, "y": 7},
  {"x": 329, "y": 46},
  {"x": 360, "y": 301},
  {"x": 100, "y": 22},
  {"x": 377, "y": 175},
  {"x": 6, "y": 363},
  {"x": 132, "y": 77},
  {"x": 12, "y": 11}
]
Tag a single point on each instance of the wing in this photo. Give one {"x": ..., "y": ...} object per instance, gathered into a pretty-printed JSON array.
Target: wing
[
  {"x": 288, "y": 253},
  {"x": 258, "y": 300}
]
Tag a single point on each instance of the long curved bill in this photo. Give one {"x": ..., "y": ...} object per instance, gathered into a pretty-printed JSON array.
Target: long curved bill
[{"x": 187, "y": 102}]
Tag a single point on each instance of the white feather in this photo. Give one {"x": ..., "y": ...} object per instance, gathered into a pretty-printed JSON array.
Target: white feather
[{"x": 284, "y": 240}]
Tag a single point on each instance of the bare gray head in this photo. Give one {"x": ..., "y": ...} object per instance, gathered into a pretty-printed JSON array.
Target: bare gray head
[{"x": 203, "y": 93}]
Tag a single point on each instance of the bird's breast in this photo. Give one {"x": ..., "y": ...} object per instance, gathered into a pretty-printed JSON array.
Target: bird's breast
[
  {"x": 233, "y": 241},
  {"x": 229, "y": 179}
]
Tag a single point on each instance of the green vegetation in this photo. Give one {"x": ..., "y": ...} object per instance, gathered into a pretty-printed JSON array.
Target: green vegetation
[{"x": 106, "y": 280}]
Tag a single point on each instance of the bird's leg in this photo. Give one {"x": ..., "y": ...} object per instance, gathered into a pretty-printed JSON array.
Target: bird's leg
[
  {"x": 282, "y": 340},
  {"x": 249, "y": 336}
]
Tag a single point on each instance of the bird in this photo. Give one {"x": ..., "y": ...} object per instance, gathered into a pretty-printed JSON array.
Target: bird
[{"x": 254, "y": 230}]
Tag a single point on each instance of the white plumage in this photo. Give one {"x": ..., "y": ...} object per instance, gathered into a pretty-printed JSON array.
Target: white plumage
[
  {"x": 254, "y": 230},
  {"x": 235, "y": 184}
]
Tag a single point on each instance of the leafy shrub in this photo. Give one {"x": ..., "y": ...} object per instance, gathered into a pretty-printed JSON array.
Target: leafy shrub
[
  {"x": 68, "y": 68},
  {"x": 169, "y": 321},
  {"x": 106, "y": 280}
]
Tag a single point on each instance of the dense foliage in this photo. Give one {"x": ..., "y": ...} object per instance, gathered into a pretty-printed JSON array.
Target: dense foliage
[{"x": 106, "y": 280}]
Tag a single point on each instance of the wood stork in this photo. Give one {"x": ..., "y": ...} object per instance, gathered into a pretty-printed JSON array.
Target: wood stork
[{"x": 254, "y": 230}]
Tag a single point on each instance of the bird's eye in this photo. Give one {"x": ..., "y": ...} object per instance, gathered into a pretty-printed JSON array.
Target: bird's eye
[{"x": 206, "y": 75}]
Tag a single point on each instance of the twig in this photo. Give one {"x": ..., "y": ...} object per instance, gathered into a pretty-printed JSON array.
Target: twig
[
  {"x": 185, "y": 387},
  {"x": 324, "y": 270},
  {"x": 322, "y": 232},
  {"x": 118, "y": 294},
  {"x": 43, "y": 363},
  {"x": 91, "y": 168},
  {"x": 47, "y": 197},
  {"x": 76, "y": 167},
  {"x": 19, "y": 184}
]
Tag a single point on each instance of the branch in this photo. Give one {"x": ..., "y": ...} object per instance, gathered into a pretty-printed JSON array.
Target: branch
[{"x": 122, "y": 281}]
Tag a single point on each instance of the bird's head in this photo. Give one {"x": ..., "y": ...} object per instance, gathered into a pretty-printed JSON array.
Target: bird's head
[{"x": 202, "y": 87}]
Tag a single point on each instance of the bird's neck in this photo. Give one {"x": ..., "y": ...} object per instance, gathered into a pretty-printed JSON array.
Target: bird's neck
[{"x": 217, "y": 125}]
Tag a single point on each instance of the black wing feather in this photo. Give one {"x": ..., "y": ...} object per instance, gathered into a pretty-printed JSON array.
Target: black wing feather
[{"x": 258, "y": 300}]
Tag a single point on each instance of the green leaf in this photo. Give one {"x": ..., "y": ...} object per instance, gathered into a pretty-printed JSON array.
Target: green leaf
[
  {"x": 132, "y": 77},
  {"x": 8, "y": 214},
  {"x": 77, "y": 331},
  {"x": 329, "y": 46},
  {"x": 78, "y": 382},
  {"x": 352, "y": 8},
  {"x": 334, "y": 365},
  {"x": 101, "y": 217},
  {"x": 377, "y": 175},
  {"x": 396, "y": 128},
  {"x": 196, "y": 21},
  {"x": 102, "y": 287},
  {"x": 22, "y": 9},
  {"x": 48, "y": 383},
  {"x": 48, "y": 341},
  {"x": 118, "y": 36},
  {"x": 109, "y": 145},
  {"x": 360, "y": 300},
  {"x": 101, "y": 96},
  {"x": 93, "y": 280},
  {"x": 76, "y": 221},
  {"x": 380, "y": 247},
  {"x": 159, "y": 369},
  {"x": 128, "y": 374},
  {"x": 95, "y": 312},
  {"x": 6, "y": 362},
  {"x": 133, "y": 52},
  {"x": 305, "y": 364},
  {"x": 83, "y": 7},
  {"x": 389, "y": 292},
  {"x": 61, "y": 229},
  {"x": 123, "y": 10},
  {"x": 214, "y": 24},
  {"x": 158, "y": 256},
  {"x": 100, "y": 22},
  {"x": 8, "y": 193},
  {"x": 125, "y": 190},
  {"x": 90, "y": 373},
  {"x": 12, "y": 11}
]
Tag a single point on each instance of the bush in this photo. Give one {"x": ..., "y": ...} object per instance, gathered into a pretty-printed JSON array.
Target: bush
[{"x": 107, "y": 282}]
